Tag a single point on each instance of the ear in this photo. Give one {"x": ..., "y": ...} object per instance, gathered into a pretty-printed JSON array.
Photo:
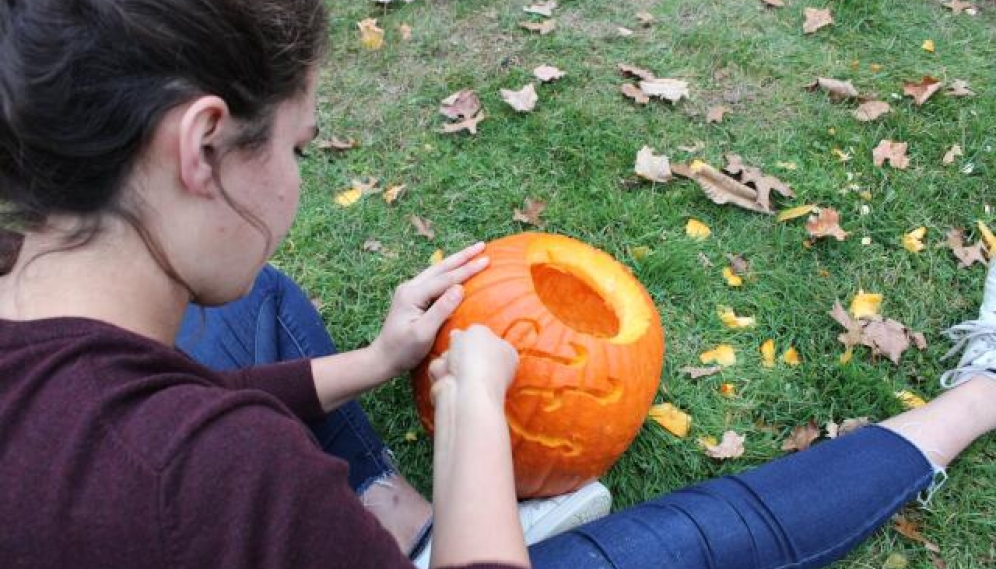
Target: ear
[{"x": 201, "y": 129}]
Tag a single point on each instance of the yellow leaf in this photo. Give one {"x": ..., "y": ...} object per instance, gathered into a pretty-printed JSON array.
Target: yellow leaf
[
  {"x": 723, "y": 354},
  {"x": 909, "y": 399},
  {"x": 437, "y": 257},
  {"x": 392, "y": 193},
  {"x": 707, "y": 441},
  {"x": 865, "y": 304},
  {"x": 990, "y": 240},
  {"x": 411, "y": 437},
  {"x": 728, "y": 390},
  {"x": 841, "y": 155},
  {"x": 913, "y": 241},
  {"x": 640, "y": 252},
  {"x": 847, "y": 355},
  {"x": 732, "y": 278},
  {"x": 371, "y": 36},
  {"x": 795, "y": 212},
  {"x": 791, "y": 357},
  {"x": 348, "y": 197},
  {"x": 697, "y": 230},
  {"x": 676, "y": 421},
  {"x": 768, "y": 353},
  {"x": 731, "y": 320},
  {"x": 928, "y": 45}
]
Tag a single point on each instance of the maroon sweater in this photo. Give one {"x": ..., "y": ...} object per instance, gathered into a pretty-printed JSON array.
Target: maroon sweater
[{"x": 119, "y": 452}]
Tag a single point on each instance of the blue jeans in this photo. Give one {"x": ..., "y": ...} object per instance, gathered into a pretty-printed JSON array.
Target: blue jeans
[{"x": 804, "y": 510}]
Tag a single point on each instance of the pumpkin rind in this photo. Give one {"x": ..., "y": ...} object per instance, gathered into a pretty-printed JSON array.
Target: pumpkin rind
[{"x": 581, "y": 392}]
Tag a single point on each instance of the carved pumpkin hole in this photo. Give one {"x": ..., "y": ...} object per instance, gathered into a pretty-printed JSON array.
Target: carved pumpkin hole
[{"x": 573, "y": 302}]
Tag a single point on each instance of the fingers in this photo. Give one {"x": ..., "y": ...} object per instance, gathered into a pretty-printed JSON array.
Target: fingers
[
  {"x": 439, "y": 368},
  {"x": 454, "y": 261}
]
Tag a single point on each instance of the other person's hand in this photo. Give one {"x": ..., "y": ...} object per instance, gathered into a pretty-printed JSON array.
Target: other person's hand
[{"x": 478, "y": 360}]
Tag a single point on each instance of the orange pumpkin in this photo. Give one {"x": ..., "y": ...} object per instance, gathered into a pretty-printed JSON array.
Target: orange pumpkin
[{"x": 590, "y": 349}]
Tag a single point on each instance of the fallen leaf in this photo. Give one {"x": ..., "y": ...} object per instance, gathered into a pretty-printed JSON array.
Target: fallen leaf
[
  {"x": 928, "y": 45},
  {"x": 715, "y": 114},
  {"x": 645, "y": 18},
  {"x": 960, "y": 88},
  {"x": 923, "y": 90},
  {"x": 721, "y": 188},
  {"x": 847, "y": 355},
  {"x": 958, "y": 6},
  {"x": 411, "y": 436},
  {"x": 640, "y": 252},
  {"x": 795, "y": 212},
  {"x": 894, "y": 152},
  {"x": 816, "y": 19},
  {"x": 967, "y": 255},
  {"x": 825, "y": 224},
  {"x": 348, "y": 197},
  {"x": 337, "y": 144},
  {"x": 672, "y": 90},
  {"x": 676, "y": 421},
  {"x": 837, "y": 90},
  {"x": 699, "y": 372},
  {"x": 865, "y": 304},
  {"x": 728, "y": 390},
  {"x": 704, "y": 260},
  {"x": 787, "y": 165},
  {"x": 909, "y": 399},
  {"x": 542, "y": 9},
  {"x": 543, "y": 28},
  {"x": 371, "y": 37},
  {"x": 752, "y": 176},
  {"x": 768, "y": 353},
  {"x": 375, "y": 246},
  {"x": 697, "y": 230},
  {"x": 723, "y": 354},
  {"x": 633, "y": 92},
  {"x": 913, "y": 241},
  {"x": 462, "y": 104},
  {"x": 637, "y": 72},
  {"x": 731, "y": 278},
  {"x": 437, "y": 257},
  {"x": 911, "y": 530},
  {"x": 801, "y": 437},
  {"x": 847, "y": 426},
  {"x": 423, "y": 226},
  {"x": 547, "y": 73},
  {"x": 739, "y": 264},
  {"x": 791, "y": 357},
  {"x": 871, "y": 110},
  {"x": 624, "y": 32},
  {"x": 524, "y": 100},
  {"x": 531, "y": 212},
  {"x": 653, "y": 167},
  {"x": 732, "y": 446},
  {"x": 469, "y": 124},
  {"x": 887, "y": 337},
  {"x": 940, "y": 563},
  {"x": 896, "y": 560},
  {"x": 731, "y": 320},
  {"x": 406, "y": 31},
  {"x": 393, "y": 193},
  {"x": 952, "y": 153},
  {"x": 988, "y": 237},
  {"x": 841, "y": 155}
]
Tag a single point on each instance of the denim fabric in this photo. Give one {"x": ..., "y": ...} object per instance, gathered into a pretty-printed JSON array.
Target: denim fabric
[
  {"x": 804, "y": 510},
  {"x": 276, "y": 322}
]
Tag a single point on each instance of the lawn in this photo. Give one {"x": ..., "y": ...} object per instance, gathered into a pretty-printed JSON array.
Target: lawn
[{"x": 576, "y": 153}]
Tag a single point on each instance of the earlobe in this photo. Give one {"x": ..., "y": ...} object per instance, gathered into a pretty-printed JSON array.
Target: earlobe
[{"x": 200, "y": 133}]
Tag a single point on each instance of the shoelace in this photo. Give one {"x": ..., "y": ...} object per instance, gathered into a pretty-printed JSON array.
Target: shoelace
[{"x": 963, "y": 334}]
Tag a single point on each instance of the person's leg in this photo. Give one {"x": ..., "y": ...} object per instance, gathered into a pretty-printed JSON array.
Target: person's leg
[
  {"x": 802, "y": 511},
  {"x": 277, "y": 322}
]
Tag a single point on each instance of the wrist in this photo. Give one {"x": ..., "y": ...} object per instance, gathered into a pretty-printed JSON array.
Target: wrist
[{"x": 378, "y": 362}]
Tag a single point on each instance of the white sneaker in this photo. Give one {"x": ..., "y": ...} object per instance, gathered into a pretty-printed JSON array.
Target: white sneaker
[
  {"x": 546, "y": 517},
  {"x": 977, "y": 338}
]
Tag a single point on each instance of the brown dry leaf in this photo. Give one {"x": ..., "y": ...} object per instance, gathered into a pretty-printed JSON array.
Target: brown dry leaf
[
  {"x": 543, "y": 28},
  {"x": 911, "y": 530},
  {"x": 406, "y": 31},
  {"x": 634, "y": 92},
  {"x": 699, "y": 372},
  {"x": 393, "y": 193},
  {"x": 894, "y": 152},
  {"x": 531, "y": 212},
  {"x": 755, "y": 177},
  {"x": 715, "y": 114},
  {"x": 825, "y": 224},
  {"x": 337, "y": 144},
  {"x": 959, "y": 88},
  {"x": 542, "y": 9},
  {"x": 638, "y": 72},
  {"x": 774, "y": 3},
  {"x": 645, "y": 18},
  {"x": 738, "y": 264},
  {"x": 923, "y": 90},
  {"x": 463, "y": 104},
  {"x": 967, "y": 256},
  {"x": 846, "y": 426},
  {"x": 837, "y": 90},
  {"x": 937, "y": 561},
  {"x": 653, "y": 167},
  {"x": 469, "y": 124},
  {"x": 816, "y": 19},
  {"x": 704, "y": 260},
  {"x": 375, "y": 246},
  {"x": 672, "y": 90},
  {"x": 801, "y": 437},
  {"x": 547, "y": 73},
  {"x": 884, "y": 336},
  {"x": 957, "y": 7},
  {"x": 423, "y": 226},
  {"x": 871, "y": 110},
  {"x": 524, "y": 100},
  {"x": 952, "y": 153},
  {"x": 731, "y": 446},
  {"x": 719, "y": 187}
]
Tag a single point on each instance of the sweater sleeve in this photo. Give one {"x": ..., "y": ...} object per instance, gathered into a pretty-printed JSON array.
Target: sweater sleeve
[{"x": 291, "y": 382}]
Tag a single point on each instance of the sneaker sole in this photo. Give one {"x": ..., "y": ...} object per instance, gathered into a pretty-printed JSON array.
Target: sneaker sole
[{"x": 588, "y": 507}]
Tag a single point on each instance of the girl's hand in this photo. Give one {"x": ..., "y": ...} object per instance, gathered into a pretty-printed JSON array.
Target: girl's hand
[
  {"x": 419, "y": 308},
  {"x": 478, "y": 361}
]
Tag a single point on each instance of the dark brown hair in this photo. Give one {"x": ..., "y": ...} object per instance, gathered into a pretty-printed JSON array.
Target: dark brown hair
[{"x": 85, "y": 83}]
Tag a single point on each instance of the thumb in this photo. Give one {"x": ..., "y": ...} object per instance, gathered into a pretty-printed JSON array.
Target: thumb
[{"x": 441, "y": 309}]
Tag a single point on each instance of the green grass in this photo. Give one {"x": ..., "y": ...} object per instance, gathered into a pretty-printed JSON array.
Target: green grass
[{"x": 576, "y": 152}]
